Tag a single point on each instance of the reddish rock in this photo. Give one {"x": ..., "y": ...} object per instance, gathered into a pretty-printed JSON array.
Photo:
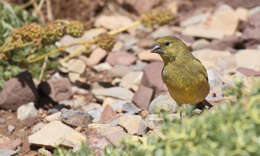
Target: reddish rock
[
  {"x": 140, "y": 6},
  {"x": 108, "y": 115},
  {"x": 96, "y": 142},
  {"x": 10, "y": 144},
  {"x": 152, "y": 76},
  {"x": 120, "y": 58},
  {"x": 248, "y": 72},
  {"x": 18, "y": 91},
  {"x": 142, "y": 97},
  {"x": 57, "y": 89},
  {"x": 252, "y": 29}
]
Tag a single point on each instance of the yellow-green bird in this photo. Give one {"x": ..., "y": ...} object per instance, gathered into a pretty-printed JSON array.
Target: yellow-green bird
[{"x": 184, "y": 75}]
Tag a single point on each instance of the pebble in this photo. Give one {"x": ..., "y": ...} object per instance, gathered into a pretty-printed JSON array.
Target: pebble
[
  {"x": 56, "y": 133},
  {"x": 112, "y": 21},
  {"x": 6, "y": 152},
  {"x": 11, "y": 129},
  {"x": 75, "y": 65},
  {"x": 133, "y": 124},
  {"x": 75, "y": 118},
  {"x": 116, "y": 92},
  {"x": 148, "y": 56},
  {"x": 102, "y": 67},
  {"x": 131, "y": 80},
  {"x": 162, "y": 31},
  {"x": 26, "y": 111},
  {"x": 248, "y": 54},
  {"x": 163, "y": 103},
  {"x": 119, "y": 71},
  {"x": 96, "y": 56}
]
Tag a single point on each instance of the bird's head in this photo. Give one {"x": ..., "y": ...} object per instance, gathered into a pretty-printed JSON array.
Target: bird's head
[{"x": 169, "y": 48}]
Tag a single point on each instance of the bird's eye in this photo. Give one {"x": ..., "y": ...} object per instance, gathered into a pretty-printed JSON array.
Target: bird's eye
[{"x": 167, "y": 43}]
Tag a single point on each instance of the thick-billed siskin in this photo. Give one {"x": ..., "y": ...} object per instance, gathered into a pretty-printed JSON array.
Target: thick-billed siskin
[{"x": 184, "y": 75}]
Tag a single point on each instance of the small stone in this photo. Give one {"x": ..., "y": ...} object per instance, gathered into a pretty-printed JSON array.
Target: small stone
[
  {"x": 96, "y": 142},
  {"x": 116, "y": 92},
  {"x": 248, "y": 72},
  {"x": 113, "y": 21},
  {"x": 6, "y": 143},
  {"x": 196, "y": 19},
  {"x": 108, "y": 115},
  {"x": 242, "y": 13},
  {"x": 11, "y": 129},
  {"x": 199, "y": 44},
  {"x": 162, "y": 31},
  {"x": 109, "y": 101},
  {"x": 131, "y": 80},
  {"x": 133, "y": 124},
  {"x": 114, "y": 134},
  {"x": 38, "y": 127},
  {"x": 18, "y": 91},
  {"x": 153, "y": 121},
  {"x": 130, "y": 108},
  {"x": 75, "y": 65},
  {"x": 53, "y": 117},
  {"x": 74, "y": 77},
  {"x": 56, "y": 133},
  {"x": 91, "y": 106},
  {"x": 119, "y": 71},
  {"x": 120, "y": 58},
  {"x": 148, "y": 56},
  {"x": 152, "y": 76},
  {"x": 6, "y": 152},
  {"x": 77, "y": 90},
  {"x": 44, "y": 152},
  {"x": 139, "y": 66},
  {"x": 75, "y": 118},
  {"x": 102, "y": 67},
  {"x": 142, "y": 97},
  {"x": 96, "y": 114},
  {"x": 248, "y": 54},
  {"x": 96, "y": 56},
  {"x": 26, "y": 111},
  {"x": 2, "y": 120},
  {"x": 57, "y": 89},
  {"x": 163, "y": 103}
]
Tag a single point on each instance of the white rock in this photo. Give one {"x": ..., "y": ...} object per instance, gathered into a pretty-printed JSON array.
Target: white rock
[
  {"x": 133, "y": 124},
  {"x": 131, "y": 80},
  {"x": 53, "y": 117},
  {"x": 148, "y": 56},
  {"x": 112, "y": 21},
  {"x": 26, "y": 111},
  {"x": 196, "y": 19},
  {"x": 75, "y": 65},
  {"x": 248, "y": 58},
  {"x": 116, "y": 92},
  {"x": 162, "y": 31},
  {"x": 56, "y": 133},
  {"x": 163, "y": 103},
  {"x": 96, "y": 56},
  {"x": 242, "y": 13},
  {"x": 102, "y": 67},
  {"x": 74, "y": 77}
]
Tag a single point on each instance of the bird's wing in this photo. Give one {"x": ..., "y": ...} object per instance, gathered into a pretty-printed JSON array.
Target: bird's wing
[{"x": 200, "y": 67}]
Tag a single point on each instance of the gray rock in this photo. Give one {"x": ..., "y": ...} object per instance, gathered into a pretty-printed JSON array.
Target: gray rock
[
  {"x": 130, "y": 108},
  {"x": 163, "y": 103},
  {"x": 6, "y": 152},
  {"x": 26, "y": 111},
  {"x": 75, "y": 118},
  {"x": 11, "y": 129},
  {"x": 116, "y": 92},
  {"x": 96, "y": 114}
]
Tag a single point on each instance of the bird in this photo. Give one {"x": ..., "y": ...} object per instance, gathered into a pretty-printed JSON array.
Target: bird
[{"x": 184, "y": 75}]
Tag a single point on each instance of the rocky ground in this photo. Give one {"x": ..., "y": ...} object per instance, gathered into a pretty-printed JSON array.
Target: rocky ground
[{"x": 106, "y": 96}]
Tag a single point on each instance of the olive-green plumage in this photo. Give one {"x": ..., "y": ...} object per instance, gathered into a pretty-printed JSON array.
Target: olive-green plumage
[{"x": 183, "y": 74}]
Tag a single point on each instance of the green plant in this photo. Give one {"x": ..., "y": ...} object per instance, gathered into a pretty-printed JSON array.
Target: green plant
[{"x": 84, "y": 150}]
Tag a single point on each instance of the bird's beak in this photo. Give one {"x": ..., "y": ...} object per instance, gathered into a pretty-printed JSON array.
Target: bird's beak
[{"x": 157, "y": 49}]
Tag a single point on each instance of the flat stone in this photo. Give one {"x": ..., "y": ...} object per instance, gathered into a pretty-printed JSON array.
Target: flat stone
[
  {"x": 148, "y": 56},
  {"x": 6, "y": 152},
  {"x": 97, "y": 142},
  {"x": 74, "y": 77},
  {"x": 75, "y": 118},
  {"x": 96, "y": 114},
  {"x": 102, "y": 67},
  {"x": 247, "y": 54},
  {"x": 213, "y": 58},
  {"x": 130, "y": 108},
  {"x": 119, "y": 71},
  {"x": 199, "y": 44},
  {"x": 248, "y": 72},
  {"x": 57, "y": 89},
  {"x": 242, "y": 13},
  {"x": 120, "y": 58},
  {"x": 163, "y": 103},
  {"x": 53, "y": 117},
  {"x": 26, "y": 111},
  {"x": 18, "y": 91},
  {"x": 114, "y": 134},
  {"x": 152, "y": 76},
  {"x": 142, "y": 97},
  {"x": 223, "y": 22},
  {"x": 10, "y": 129},
  {"x": 108, "y": 115},
  {"x": 196, "y": 19},
  {"x": 75, "y": 65},
  {"x": 56, "y": 133},
  {"x": 116, "y": 92},
  {"x": 96, "y": 56},
  {"x": 131, "y": 80},
  {"x": 9, "y": 144},
  {"x": 162, "y": 31},
  {"x": 91, "y": 106},
  {"x": 112, "y": 21},
  {"x": 133, "y": 124}
]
